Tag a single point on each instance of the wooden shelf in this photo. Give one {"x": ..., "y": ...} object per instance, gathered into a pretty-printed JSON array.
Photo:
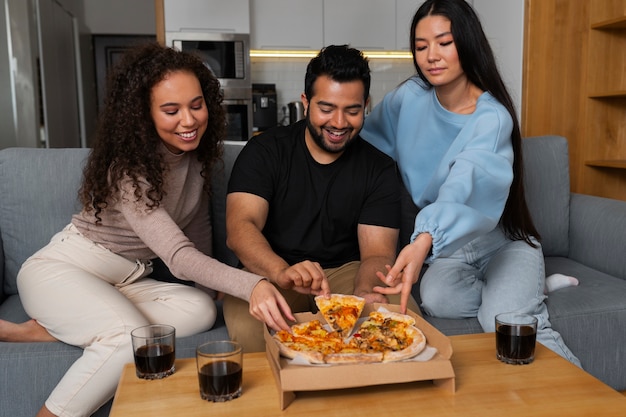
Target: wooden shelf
[
  {"x": 616, "y": 23},
  {"x": 608, "y": 94},
  {"x": 607, "y": 163},
  {"x": 586, "y": 100}
]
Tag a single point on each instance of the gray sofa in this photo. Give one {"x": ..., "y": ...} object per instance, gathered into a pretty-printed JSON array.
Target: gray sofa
[
  {"x": 583, "y": 237},
  {"x": 38, "y": 195}
]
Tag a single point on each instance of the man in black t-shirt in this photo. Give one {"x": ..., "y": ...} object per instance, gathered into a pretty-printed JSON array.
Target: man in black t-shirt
[{"x": 312, "y": 206}]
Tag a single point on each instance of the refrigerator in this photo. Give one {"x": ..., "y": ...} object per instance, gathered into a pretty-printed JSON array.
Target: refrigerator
[{"x": 40, "y": 75}]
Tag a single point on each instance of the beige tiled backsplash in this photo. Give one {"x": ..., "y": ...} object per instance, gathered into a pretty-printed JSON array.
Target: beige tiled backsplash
[{"x": 288, "y": 75}]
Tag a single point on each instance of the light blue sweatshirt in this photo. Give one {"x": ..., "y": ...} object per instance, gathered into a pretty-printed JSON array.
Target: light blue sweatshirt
[{"x": 458, "y": 168}]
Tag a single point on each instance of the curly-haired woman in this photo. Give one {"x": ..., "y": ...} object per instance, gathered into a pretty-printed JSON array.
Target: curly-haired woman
[{"x": 145, "y": 195}]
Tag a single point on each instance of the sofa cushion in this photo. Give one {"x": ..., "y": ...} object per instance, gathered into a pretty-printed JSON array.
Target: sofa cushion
[
  {"x": 32, "y": 211},
  {"x": 591, "y": 317},
  {"x": 12, "y": 310},
  {"x": 546, "y": 180}
]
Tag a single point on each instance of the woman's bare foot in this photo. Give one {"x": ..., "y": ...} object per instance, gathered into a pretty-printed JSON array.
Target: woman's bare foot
[
  {"x": 44, "y": 412},
  {"x": 29, "y": 331}
]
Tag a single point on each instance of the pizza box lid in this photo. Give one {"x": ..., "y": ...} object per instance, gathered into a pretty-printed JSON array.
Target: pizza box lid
[{"x": 291, "y": 378}]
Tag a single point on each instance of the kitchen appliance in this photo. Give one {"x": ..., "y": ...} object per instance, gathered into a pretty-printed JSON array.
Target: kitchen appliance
[
  {"x": 296, "y": 111},
  {"x": 227, "y": 55},
  {"x": 264, "y": 109},
  {"x": 238, "y": 119},
  {"x": 43, "y": 100}
]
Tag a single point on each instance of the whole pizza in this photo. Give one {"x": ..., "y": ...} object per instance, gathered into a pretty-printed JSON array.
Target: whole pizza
[{"x": 381, "y": 337}]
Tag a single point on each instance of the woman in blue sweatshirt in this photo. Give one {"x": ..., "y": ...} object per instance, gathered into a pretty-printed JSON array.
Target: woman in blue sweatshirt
[{"x": 454, "y": 133}]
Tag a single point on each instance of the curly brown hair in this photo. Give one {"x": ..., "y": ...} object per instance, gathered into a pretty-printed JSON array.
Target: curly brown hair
[{"x": 126, "y": 140}]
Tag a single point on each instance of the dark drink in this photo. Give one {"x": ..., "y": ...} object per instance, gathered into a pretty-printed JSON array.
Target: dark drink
[
  {"x": 515, "y": 344},
  {"x": 154, "y": 361},
  {"x": 220, "y": 381}
]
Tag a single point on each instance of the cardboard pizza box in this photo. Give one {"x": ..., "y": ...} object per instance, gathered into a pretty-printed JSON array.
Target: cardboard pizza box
[{"x": 292, "y": 378}]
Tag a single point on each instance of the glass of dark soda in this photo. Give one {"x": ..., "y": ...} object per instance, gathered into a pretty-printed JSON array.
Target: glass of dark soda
[
  {"x": 516, "y": 334},
  {"x": 220, "y": 369},
  {"x": 154, "y": 347}
]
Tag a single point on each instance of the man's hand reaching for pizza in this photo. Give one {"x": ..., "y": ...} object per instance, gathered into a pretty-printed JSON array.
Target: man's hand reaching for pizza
[{"x": 305, "y": 277}]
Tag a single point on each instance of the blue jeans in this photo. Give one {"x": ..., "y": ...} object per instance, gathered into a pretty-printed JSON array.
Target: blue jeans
[{"x": 492, "y": 275}]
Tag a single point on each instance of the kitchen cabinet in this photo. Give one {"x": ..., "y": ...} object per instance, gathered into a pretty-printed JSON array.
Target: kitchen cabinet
[
  {"x": 371, "y": 25},
  {"x": 405, "y": 9},
  {"x": 232, "y": 16},
  {"x": 286, "y": 24},
  {"x": 363, "y": 24}
]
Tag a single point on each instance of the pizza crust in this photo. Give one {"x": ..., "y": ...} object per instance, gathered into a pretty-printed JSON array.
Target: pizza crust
[
  {"x": 339, "y": 358},
  {"x": 414, "y": 349},
  {"x": 309, "y": 355},
  {"x": 403, "y": 318}
]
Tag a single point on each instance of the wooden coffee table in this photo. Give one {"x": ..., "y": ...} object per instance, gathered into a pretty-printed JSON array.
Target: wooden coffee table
[{"x": 550, "y": 386}]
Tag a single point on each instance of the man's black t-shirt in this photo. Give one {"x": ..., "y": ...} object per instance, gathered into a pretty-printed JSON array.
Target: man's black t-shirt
[{"x": 314, "y": 209}]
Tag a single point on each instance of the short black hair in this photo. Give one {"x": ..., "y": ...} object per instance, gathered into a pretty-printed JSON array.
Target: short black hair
[{"x": 341, "y": 63}]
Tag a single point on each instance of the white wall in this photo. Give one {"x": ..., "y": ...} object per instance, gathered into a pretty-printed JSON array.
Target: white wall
[{"x": 503, "y": 22}]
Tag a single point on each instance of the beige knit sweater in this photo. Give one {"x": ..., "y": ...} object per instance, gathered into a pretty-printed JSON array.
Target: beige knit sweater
[{"x": 178, "y": 231}]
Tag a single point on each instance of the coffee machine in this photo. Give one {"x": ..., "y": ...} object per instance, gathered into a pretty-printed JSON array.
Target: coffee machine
[{"x": 264, "y": 109}]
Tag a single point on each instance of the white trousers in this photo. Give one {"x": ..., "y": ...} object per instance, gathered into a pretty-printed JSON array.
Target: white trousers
[{"x": 87, "y": 296}]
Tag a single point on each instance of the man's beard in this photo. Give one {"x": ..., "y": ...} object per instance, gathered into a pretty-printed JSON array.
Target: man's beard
[{"x": 318, "y": 138}]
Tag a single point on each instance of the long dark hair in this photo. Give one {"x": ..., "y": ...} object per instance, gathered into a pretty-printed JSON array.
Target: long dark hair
[
  {"x": 479, "y": 65},
  {"x": 126, "y": 140}
]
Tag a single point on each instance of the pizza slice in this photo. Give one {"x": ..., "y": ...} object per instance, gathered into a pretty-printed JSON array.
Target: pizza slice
[
  {"x": 309, "y": 340},
  {"x": 341, "y": 311},
  {"x": 391, "y": 333},
  {"x": 414, "y": 344}
]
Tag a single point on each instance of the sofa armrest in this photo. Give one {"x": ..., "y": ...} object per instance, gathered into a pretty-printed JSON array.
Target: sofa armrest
[
  {"x": 598, "y": 233},
  {"x": 546, "y": 179}
]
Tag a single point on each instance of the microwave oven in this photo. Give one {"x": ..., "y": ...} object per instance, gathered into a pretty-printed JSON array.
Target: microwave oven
[{"x": 227, "y": 55}]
